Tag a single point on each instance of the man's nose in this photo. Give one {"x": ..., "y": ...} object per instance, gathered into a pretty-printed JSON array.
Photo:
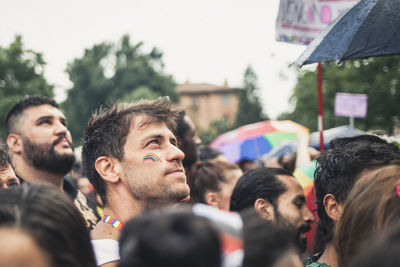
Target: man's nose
[
  {"x": 175, "y": 153},
  {"x": 308, "y": 216},
  {"x": 197, "y": 140},
  {"x": 60, "y": 129}
]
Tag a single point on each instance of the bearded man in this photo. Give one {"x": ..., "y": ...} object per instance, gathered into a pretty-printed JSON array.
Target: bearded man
[
  {"x": 41, "y": 146},
  {"x": 277, "y": 197}
]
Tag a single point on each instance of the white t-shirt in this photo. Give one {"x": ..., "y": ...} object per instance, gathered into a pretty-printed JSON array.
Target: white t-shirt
[{"x": 105, "y": 250}]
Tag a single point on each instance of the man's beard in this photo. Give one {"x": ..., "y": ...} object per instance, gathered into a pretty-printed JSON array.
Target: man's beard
[
  {"x": 43, "y": 157},
  {"x": 299, "y": 241}
]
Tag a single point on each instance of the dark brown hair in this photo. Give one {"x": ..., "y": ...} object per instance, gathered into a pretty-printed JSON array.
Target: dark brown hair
[
  {"x": 52, "y": 220},
  {"x": 372, "y": 205}
]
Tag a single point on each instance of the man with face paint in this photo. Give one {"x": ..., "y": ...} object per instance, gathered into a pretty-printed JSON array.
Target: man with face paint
[
  {"x": 41, "y": 146},
  {"x": 277, "y": 197},
  {"x": 132, "y": 159}
]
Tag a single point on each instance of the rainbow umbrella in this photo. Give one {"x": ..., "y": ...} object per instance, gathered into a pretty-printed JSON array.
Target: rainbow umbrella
[{"x": 254, "y": 140}]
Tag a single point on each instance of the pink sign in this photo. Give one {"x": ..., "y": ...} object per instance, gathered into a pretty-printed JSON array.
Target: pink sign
[
  {"x": 351, "y": 105},
  {"x": 300, "y": 21}
]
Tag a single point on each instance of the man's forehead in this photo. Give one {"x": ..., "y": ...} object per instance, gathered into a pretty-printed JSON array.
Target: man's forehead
[
  {"x": 36, "y": 112},
  {"x": 291, "y": 184}
]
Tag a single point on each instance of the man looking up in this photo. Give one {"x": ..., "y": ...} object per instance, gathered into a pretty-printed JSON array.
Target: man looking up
[
  {"x": 131, "y": 157},
  {"x": 339, "y": 168},
  {"x": 41, "y": 147},
  {"x": 276, "y": 196}
]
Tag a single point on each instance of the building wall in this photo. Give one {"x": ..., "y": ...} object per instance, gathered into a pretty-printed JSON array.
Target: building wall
[{"x": 204, "y": 108}]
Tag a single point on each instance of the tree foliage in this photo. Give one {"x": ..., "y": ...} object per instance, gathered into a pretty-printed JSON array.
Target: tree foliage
[
  {"x": 108, "y": 73},
  {"x": 21, "y": 73},
  {"x": 377, "y": 77},
  {"x": 250, "y": 109}
]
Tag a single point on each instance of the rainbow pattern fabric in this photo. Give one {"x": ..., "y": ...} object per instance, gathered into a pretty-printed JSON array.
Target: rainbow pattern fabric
[{"x": 114, "y": 222}]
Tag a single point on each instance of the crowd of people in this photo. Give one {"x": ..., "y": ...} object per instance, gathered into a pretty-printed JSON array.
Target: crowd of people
[{"x": 142, "y": 192}]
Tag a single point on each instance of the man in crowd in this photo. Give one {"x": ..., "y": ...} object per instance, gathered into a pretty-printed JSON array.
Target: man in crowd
[
  {"x": 131, "y": 157},
  {"x": 339, "y": 168},
  {"x": 213, "y": 183},
  {"x": 40, "y": 143},
  {"x": 7, "y": 174},
  {"x": 276, "y": 196},
  {"x": 188, "y": 141}
]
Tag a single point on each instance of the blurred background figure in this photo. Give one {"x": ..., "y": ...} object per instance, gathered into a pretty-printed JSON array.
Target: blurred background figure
[
  {"x": 44, "y": 223},
  {"x": 213, "y": 183},
  {"x": 383, "y": 251},
  {"x": 266, "y": 244},
  {"x": 7, "y": 174},
  {"x": 208, "y": 153},
  {"x": 188, "y": 141},
  {"x": 169, "y": 238},
  {"x": 371, "y": 207}
]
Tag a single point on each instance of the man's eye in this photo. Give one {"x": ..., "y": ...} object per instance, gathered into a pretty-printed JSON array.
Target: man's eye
[
  {"x": 155, "y": 141},
  {"x": 44, "y": 122}
]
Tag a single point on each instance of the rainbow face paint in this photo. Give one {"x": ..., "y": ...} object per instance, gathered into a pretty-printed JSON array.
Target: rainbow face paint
[{"x": 153, "y": 157}]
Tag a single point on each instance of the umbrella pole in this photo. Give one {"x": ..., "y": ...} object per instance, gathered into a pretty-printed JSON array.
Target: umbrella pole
[{"x": 320, "y": 108}]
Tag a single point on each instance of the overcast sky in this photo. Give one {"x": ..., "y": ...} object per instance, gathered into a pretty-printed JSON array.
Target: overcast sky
[{"x": 202, "y": 41}]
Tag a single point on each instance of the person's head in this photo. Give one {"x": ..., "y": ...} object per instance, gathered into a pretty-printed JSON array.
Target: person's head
[
  {"x": 18, "y": 248},
  {"x": 208, "y": 153},
  {"x": 276, "y": 196},
  {"x": 49, "y": 220},
  {"x": 267, "y": 244},
  {"x": 7, "y": 174},
  {"x": 188, "y": 139},
  {"x": 132, "y": 144},
  {"x": 382, "y": 251},
  {"x": 339, "y": 168},
  {"x": 169, "y": 238},
  {"x": 372, "y": 205},
  {"x": 36, "y": 133},
  {"x": 213, "y": 183}
]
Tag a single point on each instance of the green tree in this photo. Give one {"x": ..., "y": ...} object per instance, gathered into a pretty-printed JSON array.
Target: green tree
[
  {"x": 216, "y": 128},
  {"x": 108, "y": 73},
  {"x": 250, "y": 109},
  {"x": 377, "y": 77},
  {"x": 21, "y": 73}
]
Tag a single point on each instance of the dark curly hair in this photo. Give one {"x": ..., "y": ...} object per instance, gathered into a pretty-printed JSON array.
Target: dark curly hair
[{"x": 339, "y": 168}]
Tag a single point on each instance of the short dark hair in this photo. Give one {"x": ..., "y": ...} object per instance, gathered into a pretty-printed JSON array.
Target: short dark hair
[
  {"x": 208, "y": 177},
  {"x": 26, "y": 102},
  {"x": 5, "y": 159},
  {"x": 340, "y": 166},
  {"x": 109, "y": 127},
  {"x": 208, "y": 153},
  {"x": 51, "y": 219},
  {"x": 258, "y": 183},
  {"x": 169, "y": 238}
]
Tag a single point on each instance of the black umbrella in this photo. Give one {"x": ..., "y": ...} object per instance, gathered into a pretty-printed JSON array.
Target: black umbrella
[{"x": 370, "y": 28}]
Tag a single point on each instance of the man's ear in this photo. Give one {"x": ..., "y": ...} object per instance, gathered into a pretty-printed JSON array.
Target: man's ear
[
  {"x": 14, "y": 143},
  {"x": 108, "y": 168},
  {"x": 265, "y": 209},
  {"x": 212, "y": 199},
  {"x": 332, "y": 207}
]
